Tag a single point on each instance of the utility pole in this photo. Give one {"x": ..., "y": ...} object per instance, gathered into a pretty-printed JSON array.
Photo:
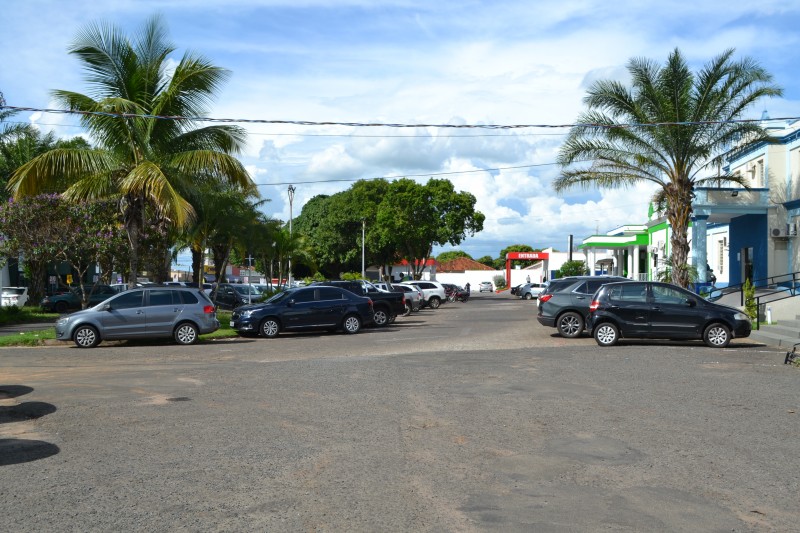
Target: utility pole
[
  {"x": 291, "y": 199},
  {"x": 363, "y": 265}
]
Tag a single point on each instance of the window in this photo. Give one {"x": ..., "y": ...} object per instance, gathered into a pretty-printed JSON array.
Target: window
[
  {"x": 188, "y": 297},
  {"x": 668, "y": 295},
  {"x": 161, "y": 297},
  {"x": 303, "y": 296},
  {"x": 721, "y": 263},
  {"x": 127, "y": 300},
  {"x": 628, "y": 292},
  {"x": 329, "y": 293}
]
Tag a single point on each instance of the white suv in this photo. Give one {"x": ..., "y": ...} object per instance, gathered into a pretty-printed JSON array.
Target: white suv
[{"x": 432, "y": 292}]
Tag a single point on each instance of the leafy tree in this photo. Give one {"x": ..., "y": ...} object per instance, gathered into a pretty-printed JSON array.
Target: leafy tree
[
  {"x": 487, "y": 260},
  {"x": 630, "y": 149},
  {"x": 572, "y": 268},
  {"x": 454, "y": 254},
  {"x": 413, "y": 218},
  {"x": 148, "y": 164},
  {"x": 515, "y": 248}
]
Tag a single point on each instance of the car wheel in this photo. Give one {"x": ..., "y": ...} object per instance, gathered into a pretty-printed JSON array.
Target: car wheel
[
  {"x": 186, "y": 333},
  {"x": 351, "y": 324},
  {"x": 60, "y": 307},
  {"x": 381, "y": 317},
  {"x": 270, "y": 328},
  {"x": 528, "y": 296},
  {"x": 606, "y": 334},
  {"x": 407, "y": 311},
  {"x": 86, "y": 337},
  {"x": 570, "y": 325},
  {"x": 434, "y": 302},
  {"x": 717, "y": 335}
]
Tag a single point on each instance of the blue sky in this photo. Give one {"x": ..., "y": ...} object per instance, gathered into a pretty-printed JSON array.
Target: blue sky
[{"x": 409, "y": 61}]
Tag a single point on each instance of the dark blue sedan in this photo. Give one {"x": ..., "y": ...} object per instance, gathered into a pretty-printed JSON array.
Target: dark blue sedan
[{"x": 302, "y": 308}]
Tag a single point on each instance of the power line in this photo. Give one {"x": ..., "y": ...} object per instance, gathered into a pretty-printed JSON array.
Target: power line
[{"x": 389, "y": 125}]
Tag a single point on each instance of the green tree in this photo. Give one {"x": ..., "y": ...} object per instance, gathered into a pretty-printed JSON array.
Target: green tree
[
  {"x": 487, "y": 260},
  {"x": 515, "y": 248},
  {"x": 149, "y": 164},
  {"x": 572, "y": 268},
  {"x": 626, "y": 147},
  {"x": 453, "y": 254}
]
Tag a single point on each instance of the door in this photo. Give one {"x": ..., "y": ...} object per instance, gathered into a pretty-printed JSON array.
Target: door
[
  {"x": 125, "y": 317},
  {"x": 629, "y": 303},
  {"x": 299, "y": 309},
  {"x": 675, "y": 313},
  {"x": 330, "y": 306},
  {"x": 164, "y": 307}
]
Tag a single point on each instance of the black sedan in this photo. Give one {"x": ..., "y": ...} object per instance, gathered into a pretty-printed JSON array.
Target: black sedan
[{"x": 314, "y": 307}]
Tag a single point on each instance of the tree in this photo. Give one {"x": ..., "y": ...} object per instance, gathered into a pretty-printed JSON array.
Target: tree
[
  {"x": 572, "y": 268},
  {"x": 515, "y": 248},
  {"x": 149, "y": 164},
  {"x": 623, "y": 138},
  {"x": 413, "y": 218},
  {"x": 453, "y": 254}
]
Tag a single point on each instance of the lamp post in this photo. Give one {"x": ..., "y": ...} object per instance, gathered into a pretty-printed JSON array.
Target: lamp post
[
  {"x": 291, "y": 199},
  {"x": 363, "y": 266}
]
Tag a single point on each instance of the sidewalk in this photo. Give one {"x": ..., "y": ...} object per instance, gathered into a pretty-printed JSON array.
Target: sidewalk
[{"x": 16, "y": 329}]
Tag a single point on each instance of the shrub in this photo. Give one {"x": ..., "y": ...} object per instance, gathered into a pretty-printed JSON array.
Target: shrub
[
  {"x": 499, "y": 281},
  {"x": 572, "y": 268},
  {"x": 750, "y": 307}
]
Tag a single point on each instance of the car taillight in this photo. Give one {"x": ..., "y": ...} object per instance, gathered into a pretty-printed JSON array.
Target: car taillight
[
  {"x": 208, "y": 309},
  {"x": 594, "y": 305},
  {"x": 544, "y": 297},
  {"x": 369, "y": 301}
]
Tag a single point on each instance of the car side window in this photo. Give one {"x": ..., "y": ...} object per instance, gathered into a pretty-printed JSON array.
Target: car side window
[
  {"x": 593, "y": 285},
  {"x": 303, "y": 296},
  {"x": 581, "y": 288},
  {"x": 188, "y": 297},
  {"x": 161, "y": 297},
  {"x": 628, "y": 292},
  {"x": 668, "y": 295},
  {"x": 128, "y": 300},
  {"x": 328, "y": 293}
]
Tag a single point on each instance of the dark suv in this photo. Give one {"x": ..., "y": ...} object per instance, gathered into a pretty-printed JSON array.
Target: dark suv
[
  {"x": 565, "y": 303},
  {"x": 653, "y": 310}
]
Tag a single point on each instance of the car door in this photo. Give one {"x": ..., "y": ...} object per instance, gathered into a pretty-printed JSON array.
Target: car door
[
  {"x": 299, "y": 309},
  {"x": 125, "y": 316},
  {"x": 329, "y": 307},
  {"x": 164, "y": 307},
  {"x": 675, "y": 313},
  {"x": 629, "y": 304}
]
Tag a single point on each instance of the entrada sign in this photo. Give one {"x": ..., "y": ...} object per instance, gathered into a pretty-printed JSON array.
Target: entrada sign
[{"x": 528, "y": 255}]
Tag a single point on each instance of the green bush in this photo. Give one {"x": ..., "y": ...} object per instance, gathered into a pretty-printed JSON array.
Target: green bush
[
  {"x": 499, "y": 281},
  {"x": 750, "y": 307},
  {"x": 572, "y": 268}
]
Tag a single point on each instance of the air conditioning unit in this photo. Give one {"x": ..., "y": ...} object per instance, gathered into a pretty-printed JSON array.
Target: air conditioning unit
[{"x": 778, "y": 233}]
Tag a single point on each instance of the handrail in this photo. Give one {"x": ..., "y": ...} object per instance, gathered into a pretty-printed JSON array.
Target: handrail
[
  {"x": 792, "y": 279},
  {"x": 793, "y": 292}
]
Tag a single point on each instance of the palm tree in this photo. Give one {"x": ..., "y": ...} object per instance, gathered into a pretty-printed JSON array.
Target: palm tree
[
  {"x": 149, "y": 164},
  {"x": 621, "y": 137}
]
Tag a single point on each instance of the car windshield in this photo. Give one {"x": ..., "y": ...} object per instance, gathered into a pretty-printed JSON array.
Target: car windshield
[
  {"x": 10, "y": 290},
  {"x": 280, "y": 297},
  {"x": 246, "y": 289}
]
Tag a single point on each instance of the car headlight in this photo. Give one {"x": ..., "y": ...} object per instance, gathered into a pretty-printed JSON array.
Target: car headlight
[
  {"x": 741, "y": 316},
  {"x": 246, "y": 314},
  {"x": 63, "y": 321}
]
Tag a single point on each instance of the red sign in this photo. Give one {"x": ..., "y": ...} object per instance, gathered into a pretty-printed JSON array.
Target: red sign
[{"x": 528, "y": 255}]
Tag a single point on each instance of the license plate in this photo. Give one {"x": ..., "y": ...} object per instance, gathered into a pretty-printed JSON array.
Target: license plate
[{"x": 231, "y": 323}]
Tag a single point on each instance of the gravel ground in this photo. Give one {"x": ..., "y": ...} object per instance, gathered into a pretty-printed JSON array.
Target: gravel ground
[{"x": 469, "y": 418}]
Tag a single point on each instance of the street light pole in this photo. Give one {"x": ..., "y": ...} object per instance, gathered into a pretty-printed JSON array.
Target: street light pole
[
  {"x": 291, "y": 199},
  {"x": 363, "y": 266}
]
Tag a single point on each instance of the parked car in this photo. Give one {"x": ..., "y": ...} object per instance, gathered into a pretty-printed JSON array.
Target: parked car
[
  {"x": 530, "y": 290},
  {"x": 232, "y": 295},
  {"x": 70, "y": 300},
  {"x": 413, "y": 297},
  {"x": 565, "y": 303},
  {"x": 433, "y": 293},
  {"x": 386, "y": 305},
  {"x": 153, "y": 311},
  {"x": 652, "y": 310},
  {"x": 14, "y": 296},
  {"x": 486, "y": 286},
  {"x": 312, "y": 307},
  {"x": 515, "y": 289}
]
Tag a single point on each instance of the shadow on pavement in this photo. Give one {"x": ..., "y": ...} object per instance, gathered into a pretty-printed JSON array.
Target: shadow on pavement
[{"x": 15, "y": 451}]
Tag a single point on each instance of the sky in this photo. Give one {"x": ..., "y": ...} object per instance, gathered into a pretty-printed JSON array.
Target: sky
[{"x": 415, "y": 62}]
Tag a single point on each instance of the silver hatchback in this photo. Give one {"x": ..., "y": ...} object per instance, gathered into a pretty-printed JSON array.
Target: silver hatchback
[{"x": 154, "y": 311}]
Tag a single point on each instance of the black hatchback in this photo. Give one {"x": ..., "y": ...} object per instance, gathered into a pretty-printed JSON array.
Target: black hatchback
[
  {"x": 564, "y": 304},
  {"x": 652, "y": 310}
]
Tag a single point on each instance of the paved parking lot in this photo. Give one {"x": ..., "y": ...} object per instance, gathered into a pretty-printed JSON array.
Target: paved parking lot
[{"x": 469, "y": 418}]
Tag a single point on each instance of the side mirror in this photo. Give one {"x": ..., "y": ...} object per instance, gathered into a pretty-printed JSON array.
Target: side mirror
[
  {"x": 106, "y": 307},
  {"x": 290, "y": 303},
  {"x": 690, "y": 302}
]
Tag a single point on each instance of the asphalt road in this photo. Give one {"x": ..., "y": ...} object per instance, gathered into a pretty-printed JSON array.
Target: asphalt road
[{"x": 469, "y": 418}]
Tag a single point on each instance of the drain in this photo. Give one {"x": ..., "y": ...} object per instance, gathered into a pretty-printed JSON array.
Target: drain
[{"x": 179, "y": 399}]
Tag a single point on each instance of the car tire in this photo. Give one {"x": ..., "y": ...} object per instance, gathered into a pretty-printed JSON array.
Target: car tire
[
  {"x": 528, "y": 296},
  {"x": 606, "y": 334},
  {"x": 186, "y": 334},
  {"x": 351, "y": 324},
  {"x": 269, "y": 328},
  {"x": 434, "y": 302},
  {"x": 717, "y": 335},
  {"x": 60, "y": 307},
  {"x": 86, "y": 337},
  {"x": 570, "y": 325},
  {"x": 380, "y": 317}
]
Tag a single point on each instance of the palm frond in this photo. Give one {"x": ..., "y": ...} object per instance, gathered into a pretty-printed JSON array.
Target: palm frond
[{"x": 43, "y": 172}]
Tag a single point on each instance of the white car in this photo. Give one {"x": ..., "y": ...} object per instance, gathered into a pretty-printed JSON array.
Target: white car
[
  {"x": 433, "y": 292},
  {"x": 14, "y": 296},
  {"x": 486, "y": 286},
  {"x": 530, "y": 290}
]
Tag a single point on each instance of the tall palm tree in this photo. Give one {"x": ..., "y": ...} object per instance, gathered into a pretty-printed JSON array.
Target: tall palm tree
[
  {"x": 148, "y": 163},
  {"x": 625, "y": 147}
]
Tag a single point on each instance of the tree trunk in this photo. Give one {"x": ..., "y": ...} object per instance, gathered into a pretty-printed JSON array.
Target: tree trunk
[
  {"x": 197, "y": 265},
  {"x": 133, "y": 224},
  {"x": 679, "y": 212}
]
